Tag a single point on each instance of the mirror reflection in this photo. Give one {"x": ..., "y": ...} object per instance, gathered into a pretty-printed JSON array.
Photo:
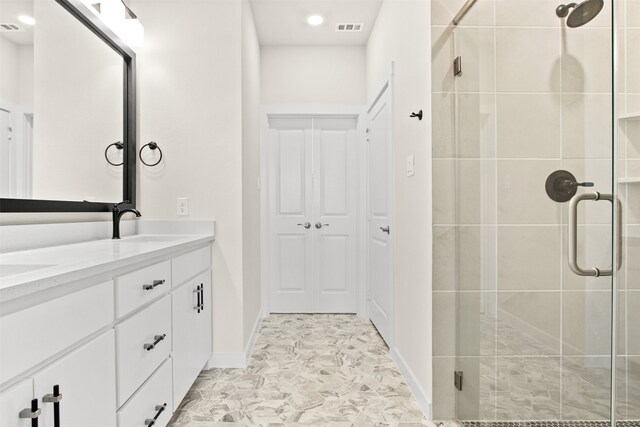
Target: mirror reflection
[{"x": 61, "y": 106}]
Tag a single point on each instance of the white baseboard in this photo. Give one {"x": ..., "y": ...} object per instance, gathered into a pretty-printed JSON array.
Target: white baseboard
[
  {"x": 252, "y": 338},
  {"x": 413, "y": 384},
  {"x": 227, "y": 360},
  {"x": 240, "y": 359}
]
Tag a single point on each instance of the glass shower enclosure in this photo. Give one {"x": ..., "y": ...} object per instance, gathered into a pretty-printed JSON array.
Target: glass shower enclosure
[{"x": 536, "y": 175}]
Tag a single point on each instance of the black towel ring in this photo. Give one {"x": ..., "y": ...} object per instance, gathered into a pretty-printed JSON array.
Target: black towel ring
[
  {"x": 152, "y": 145},
  {"x": 119, "y": 145}
]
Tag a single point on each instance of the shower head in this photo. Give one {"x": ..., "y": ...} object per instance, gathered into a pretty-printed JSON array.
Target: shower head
[{"x": 581, "y": 13}]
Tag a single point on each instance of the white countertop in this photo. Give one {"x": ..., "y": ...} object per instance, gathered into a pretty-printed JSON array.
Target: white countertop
[{"x": 25, "y": 272}]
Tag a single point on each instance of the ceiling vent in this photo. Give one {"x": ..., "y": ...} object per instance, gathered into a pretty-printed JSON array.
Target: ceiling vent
[
  {"x": 349, "y": 28},
  {"x": 7, "y": 26}
]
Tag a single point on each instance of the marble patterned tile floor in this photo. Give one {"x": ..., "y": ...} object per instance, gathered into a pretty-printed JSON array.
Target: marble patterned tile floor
[{"x": 306, "y": 370}]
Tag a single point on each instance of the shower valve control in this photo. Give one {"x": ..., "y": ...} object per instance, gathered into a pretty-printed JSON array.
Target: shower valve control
[{"x": 561, "y": 186}]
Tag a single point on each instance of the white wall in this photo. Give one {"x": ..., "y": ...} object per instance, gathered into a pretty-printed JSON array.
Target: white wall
[
  {"x": 250, "y": 169},
  {"x": 25, "y": 75},
  {"x": 313, "y": 75},
  {"x": 190, "y": 102},
  {"x": 402, "y": 34},
  {"x": 8, "y": 71}
]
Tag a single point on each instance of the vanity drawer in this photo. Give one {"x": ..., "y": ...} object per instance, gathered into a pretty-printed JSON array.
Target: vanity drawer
[
  {"x": 135, "y": 289},
  {"x": 188, "y": 265},
  {"x": 32, "y": 335},
  {"x": 143, "y": 342},
  {"x": 148, "y": 400}
]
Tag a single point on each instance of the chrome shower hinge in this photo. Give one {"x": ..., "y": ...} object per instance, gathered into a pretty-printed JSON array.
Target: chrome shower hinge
[
  {"x": 457, "y": 66},
  {"x": 457, "y": 380}
]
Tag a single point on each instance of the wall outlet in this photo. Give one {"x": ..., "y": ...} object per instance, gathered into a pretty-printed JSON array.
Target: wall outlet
[
  {"x": 182, "y": 208},
  {"x": 410, "y": 165}
]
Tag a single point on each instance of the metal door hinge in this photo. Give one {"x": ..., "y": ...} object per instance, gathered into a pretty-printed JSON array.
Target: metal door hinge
[
  {"x": 457, "y": 66},
  {"x": 457, "y": 380}
]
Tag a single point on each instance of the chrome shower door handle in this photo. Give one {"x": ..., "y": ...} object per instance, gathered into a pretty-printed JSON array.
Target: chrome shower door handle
[{"x": 573, "y": 235}]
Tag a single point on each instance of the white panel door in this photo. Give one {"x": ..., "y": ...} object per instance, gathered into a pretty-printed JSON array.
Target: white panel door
[
  {"x": 313, "y": 208},
  {"x": 380, "y": 205},
  {"x": 334, "y": 215},
  {"x": 290, "y": 205},
  {"x": 87, "y": 383}
]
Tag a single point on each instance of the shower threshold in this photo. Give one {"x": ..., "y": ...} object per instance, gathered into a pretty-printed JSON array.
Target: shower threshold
[{"x": 461, "y": 423}]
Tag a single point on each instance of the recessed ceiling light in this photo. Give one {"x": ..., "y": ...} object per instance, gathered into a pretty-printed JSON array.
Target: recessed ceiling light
[
  {"x": 25, "y": 19},
  {"x": 315, "y": 20}
]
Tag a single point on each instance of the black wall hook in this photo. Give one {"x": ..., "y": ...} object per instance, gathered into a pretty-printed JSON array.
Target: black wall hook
[
  {"x": 419, "y": 115},
  {"x": 153, "y": 146}
]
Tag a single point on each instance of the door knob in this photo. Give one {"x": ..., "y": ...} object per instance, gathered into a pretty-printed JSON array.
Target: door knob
[
  {"x": 306, "y": 225},
  {"x": 385, "y": 229},
  {"x": 319, "y": 225}
]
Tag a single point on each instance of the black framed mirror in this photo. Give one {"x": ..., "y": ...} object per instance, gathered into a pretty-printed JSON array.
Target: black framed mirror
[{"x": 74, "y": 161}]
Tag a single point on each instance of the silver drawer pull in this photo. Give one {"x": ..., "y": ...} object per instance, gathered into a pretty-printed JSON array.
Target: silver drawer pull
[
  {"x": 573, "y": 235},
  {"x": 152, "y": 421},
  {"x": 32, "y": 412},
  {"x": 157, "y": 339},
  {"x": 153, "y": 285},
  {"x": 50, "y": 398}
]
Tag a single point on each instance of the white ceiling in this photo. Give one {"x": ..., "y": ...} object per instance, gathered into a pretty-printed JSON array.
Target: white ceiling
[
  {"x": 9, "y": 12},
  {"x": 284, "y": 22}
]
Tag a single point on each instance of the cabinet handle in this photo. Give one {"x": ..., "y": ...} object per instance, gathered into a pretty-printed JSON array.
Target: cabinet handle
[
  {"x": 151, "y": 421},
  {"x": 201, "y": 296},
  {"x": 33, "y": 412},
  {"x": 153, "y": 285},
  {"x": 54, "y": 398},
  {"x": 157, "y": 339}
]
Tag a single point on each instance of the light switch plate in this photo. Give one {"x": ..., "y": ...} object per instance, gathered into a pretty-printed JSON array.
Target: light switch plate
[
  {"x": 182, "y": 206},
  {"x": 410, "y": 165}
]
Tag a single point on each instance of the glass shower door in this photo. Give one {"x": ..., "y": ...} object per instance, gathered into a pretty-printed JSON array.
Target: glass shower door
[{"x": 522, "y": 129}]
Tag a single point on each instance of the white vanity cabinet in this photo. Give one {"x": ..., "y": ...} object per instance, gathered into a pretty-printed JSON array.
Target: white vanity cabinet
[
  {"x": 15, "y": 400},
  {"x": 191, "y": 312},
  {"x": 86, "y": 382},
  {"x": 84, "y": 392},
  {"x": 119, "y": 349}
]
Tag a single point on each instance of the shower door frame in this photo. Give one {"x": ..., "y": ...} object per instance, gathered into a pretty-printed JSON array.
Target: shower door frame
[{"x": 616, "y": 210}]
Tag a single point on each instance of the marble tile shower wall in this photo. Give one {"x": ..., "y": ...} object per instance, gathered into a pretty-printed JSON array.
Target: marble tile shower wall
[{"x": 532, "y": 339}]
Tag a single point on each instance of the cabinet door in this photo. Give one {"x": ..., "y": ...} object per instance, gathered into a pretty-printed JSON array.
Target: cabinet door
[
  {"x": 203, "y": 322},
  {"x": 13, "y": 401},
  {"x": 191, "y": 333},
  {"x": 86, "y": 379}
]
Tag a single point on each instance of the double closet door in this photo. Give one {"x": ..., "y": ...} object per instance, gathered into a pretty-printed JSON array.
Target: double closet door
[{"x": 312, "y": 214}]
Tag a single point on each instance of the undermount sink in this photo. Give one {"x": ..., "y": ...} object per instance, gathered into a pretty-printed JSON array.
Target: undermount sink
[
  {"x": 12, "y": 269},
  {"x": 150, "y": 239}
]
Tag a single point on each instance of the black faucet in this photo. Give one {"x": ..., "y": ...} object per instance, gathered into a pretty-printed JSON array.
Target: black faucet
[{"x": 117, "y": 214}]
